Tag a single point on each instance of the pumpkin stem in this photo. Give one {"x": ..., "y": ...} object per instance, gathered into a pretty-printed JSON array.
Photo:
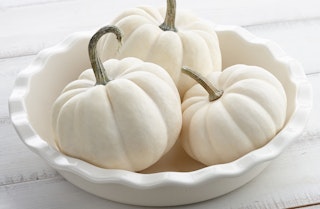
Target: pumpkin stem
[
  {"x": 213, "y": 92},
  {"x": 97, "y": 66},
  {"x": 169, "y": 21}
]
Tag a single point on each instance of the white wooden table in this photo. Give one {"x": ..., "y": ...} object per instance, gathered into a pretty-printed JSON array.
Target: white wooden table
[{"x": 27, "y": 26}]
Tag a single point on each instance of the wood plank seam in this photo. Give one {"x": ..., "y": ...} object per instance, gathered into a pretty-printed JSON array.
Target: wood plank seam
[{"x": 305, "y": 206}]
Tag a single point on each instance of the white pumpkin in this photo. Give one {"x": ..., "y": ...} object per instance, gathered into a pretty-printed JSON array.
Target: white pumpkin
[
  {"x": 247, "y": 109},
  {"x": 125, "y": 116},
  {"x": 181, "y": 39}
]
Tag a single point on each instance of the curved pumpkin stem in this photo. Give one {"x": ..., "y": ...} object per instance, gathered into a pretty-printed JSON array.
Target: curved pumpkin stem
[
  {"x": 213, "y": 92},
  {"x": 169, "y": 21},
  {"x": 97, "y": 66}
]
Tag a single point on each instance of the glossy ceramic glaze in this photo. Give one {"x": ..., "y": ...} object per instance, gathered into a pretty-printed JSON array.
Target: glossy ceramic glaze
[{"x": 176, "y": 179}]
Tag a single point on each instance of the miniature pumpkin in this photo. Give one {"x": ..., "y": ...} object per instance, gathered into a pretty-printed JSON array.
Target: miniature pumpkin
[
  {"x": 122, "y": 114},
  {"x": 181, "y": 39},
  {"x": 245, "y": 109}
]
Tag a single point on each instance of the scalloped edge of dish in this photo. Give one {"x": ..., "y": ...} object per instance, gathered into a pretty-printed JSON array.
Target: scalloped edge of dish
[{"x": 91, "y": 173}]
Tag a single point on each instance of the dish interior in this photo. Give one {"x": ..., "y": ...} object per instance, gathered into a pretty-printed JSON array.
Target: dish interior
[{"x": 67, "y": 63}]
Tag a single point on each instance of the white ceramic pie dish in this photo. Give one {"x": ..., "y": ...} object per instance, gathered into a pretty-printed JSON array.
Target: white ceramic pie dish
[{"x": 170, "y": 182}]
